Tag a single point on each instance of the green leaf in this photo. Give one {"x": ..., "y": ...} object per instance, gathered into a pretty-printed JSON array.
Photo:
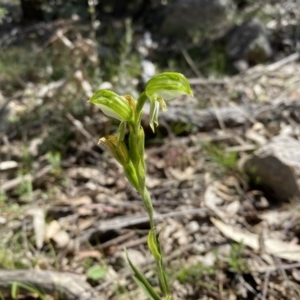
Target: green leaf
[
  {"x": 162, "y": 274},
  {"x": 133, "y": 152},
  {"x": 152, "y": 244},
  {"x": 142, "y": 286},
  {"x": 113, "y": 105},
  {"x": 157, "y": 239},
  {"x": 121, "y": 131},
  {"x": 96, "y": 272},
  {"x": 141, "y": 278},
  {"x": 164, "y": 281},
  {"x": 14, "y": 290},
  {"x": 140, "y": 144},
  {"x": 131, "y": 175}
]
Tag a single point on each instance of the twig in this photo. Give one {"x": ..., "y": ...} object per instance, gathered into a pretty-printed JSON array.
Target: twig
[
  {"x": 217, "y": 112},
  {"x": 272, "y": 268},
  {"x": 201, "y": 119},
  {"x": 205, "y": 81},
  {"x": 266, "y": 284},
  {"x": 249, "y": 287},
  {"x": 278, "y": 64},
  {"x": 54, "y": 37},
  {"x": 221, "y": 284},
  {"x": 278, "y": 263},
  {"x": 116, "y": 241},
  {"x": 244, "y": 113},
  {"x": 68, "y": 286},
  {"x": 79, "y": 126},
  {"x": 123, "y": 222},
  {"x": 9, "y": 185},
  {"x": 134, "y": 243},
  {"x": 255, "y": 74},
  {"x": 4, "y": 105},
  {"x": 190, "y": 62}
]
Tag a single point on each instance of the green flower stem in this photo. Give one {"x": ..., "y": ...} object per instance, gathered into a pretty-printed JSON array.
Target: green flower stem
[
  {"x": 139, "y": 109},
  {"x": 164, "y": 86},
  {"x": 130, "y": 173},
  {"x": 158, "y": 260},
  {"x": 136, "y": 150},
  {"x": 149, "y": 207}
]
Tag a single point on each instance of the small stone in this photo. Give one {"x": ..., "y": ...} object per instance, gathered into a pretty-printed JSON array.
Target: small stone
[
  {"x": 184, "y": 17},
  {"x": 61, "y": 239},
  {"x": 2, "y": 220},
  {"x": 148, "y": 70},
  {"x": 276, "y": 167},
  {"x": 52, "y": 229},
  {"x": 193, "y": 227},
  {"x": 136, "y": 257},
  {"x": 249, "y": 42}
]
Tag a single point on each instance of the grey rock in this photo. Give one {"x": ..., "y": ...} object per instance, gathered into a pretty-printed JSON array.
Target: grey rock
[
  {"x": 276, "y": 167},
  {"x": 136, "y": 257},
  {"x": 249, "y": 42},
  {"x": 184, "y": 17},
  {"x": 148, "y": 70},
  {"x": 241, "y": 65}
]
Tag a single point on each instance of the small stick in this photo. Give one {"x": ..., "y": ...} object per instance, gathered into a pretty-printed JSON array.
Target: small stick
[
  {"x": 11, "y": 184},
  {"x": 190, "y": 62},
  {"x": 266, "y": 283},
  {"x": 119, "y": 223},
  {"x": 283, "y": 272},
  {"x": 66, "y": 285}
]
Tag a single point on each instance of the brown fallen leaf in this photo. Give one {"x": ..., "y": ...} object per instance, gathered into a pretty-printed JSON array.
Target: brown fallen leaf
[
  {"x": 88, "y": 254},
  {"x": 83, "y": 200},
  {"x": 272, "y": 246},
  {"x": 38, "y": 225},
  {"x": 84, "y": 223},
  {"x": 61, "y": 238},
  {"x": 52, "y": 229},
  {"x": 7, "y": 165},
  {"x": 180, "y": 175},
  {"x": 213, "y": 201}
]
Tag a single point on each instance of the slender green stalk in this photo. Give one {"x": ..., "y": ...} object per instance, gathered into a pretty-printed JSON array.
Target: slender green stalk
[
  {"x": 163, "y": 86},
  {"x": 139, "y": 109}
]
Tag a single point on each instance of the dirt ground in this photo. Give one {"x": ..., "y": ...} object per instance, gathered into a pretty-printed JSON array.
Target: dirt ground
[{"x": 68, "y": 212}]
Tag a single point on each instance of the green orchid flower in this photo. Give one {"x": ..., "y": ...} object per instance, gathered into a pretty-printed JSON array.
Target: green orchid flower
[
  {"x": 117, "y": 148},
  {"x": 165, "y": 86},
  {"x": 129, "y": 112}
]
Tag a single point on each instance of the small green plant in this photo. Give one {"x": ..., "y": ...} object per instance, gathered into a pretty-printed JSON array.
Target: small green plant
[
  {"x": 54, "y": 159},
  {"x": 3, "y": 197},
  {"x": 3, "y": 13},
  {"x": 15, "y": 286},
  {"x": 194, "y": 273},
  {"x": 227, "y": 160},
  {"x": 96, "y": 272},
  {"x": 129, "y": 112},
  {"x": 235, "y": 259},
  {"x": 25, "y": 189},
  {"x": 27, "y": 160},
  {"x": 6, "y": 258},
  {"x": 218, "y": 61}
]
